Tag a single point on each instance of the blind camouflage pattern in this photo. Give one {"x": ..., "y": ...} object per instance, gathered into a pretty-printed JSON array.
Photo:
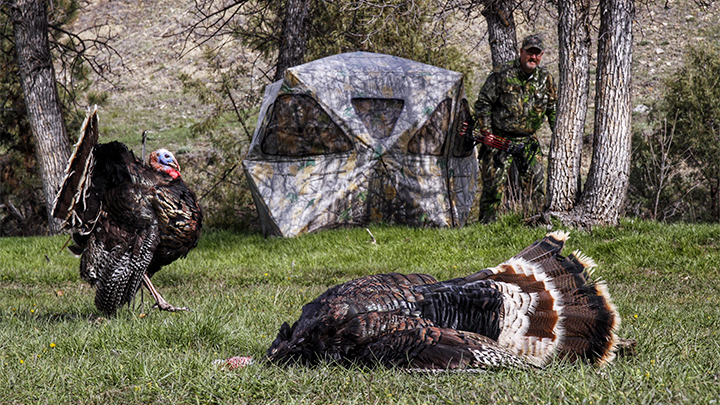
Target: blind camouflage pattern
[{"x": 357, "y": 138}]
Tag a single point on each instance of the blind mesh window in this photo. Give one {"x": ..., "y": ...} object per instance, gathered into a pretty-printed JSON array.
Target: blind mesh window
[
  {"x": 300, "y": 127},
  {"x": 378, "y": 114}
]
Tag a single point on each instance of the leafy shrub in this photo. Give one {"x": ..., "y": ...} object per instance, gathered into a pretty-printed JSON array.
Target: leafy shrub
[
  {"x": 216, "y": 173},
  {"x": 693, "y": 96},
  {"x": 662, "y": 185},
  {"x": 676, "y": 162}
]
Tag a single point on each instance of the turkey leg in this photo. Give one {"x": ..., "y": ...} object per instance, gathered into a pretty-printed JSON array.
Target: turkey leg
[{"x": 160, "y": 301}]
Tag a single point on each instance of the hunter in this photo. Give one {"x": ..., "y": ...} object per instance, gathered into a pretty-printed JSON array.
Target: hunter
[{"x": 512, "y": 104}]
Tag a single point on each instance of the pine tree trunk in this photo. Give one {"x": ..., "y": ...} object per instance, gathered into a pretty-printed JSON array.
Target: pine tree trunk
[
  {"x": 293, "y": 37},
  {"x": 604, "y": 194},
  {"x": 501, "y": 30},
  {"x": 37, "y": 77},
  {"x": 566, "y": 142}
]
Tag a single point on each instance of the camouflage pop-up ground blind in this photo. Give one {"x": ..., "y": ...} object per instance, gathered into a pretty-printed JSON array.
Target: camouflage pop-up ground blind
[{"x": 358, "y": 138}]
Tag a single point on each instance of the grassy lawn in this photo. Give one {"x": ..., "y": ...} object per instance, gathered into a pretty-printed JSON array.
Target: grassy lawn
[{"x": 55, "y": 349}]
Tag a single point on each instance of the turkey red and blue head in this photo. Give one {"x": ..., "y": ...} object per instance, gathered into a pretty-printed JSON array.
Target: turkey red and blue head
[{"x": 164, "y": 161}]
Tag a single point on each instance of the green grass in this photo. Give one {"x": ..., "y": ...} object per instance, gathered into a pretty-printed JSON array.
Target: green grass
[{"x": 55, "y": 349}]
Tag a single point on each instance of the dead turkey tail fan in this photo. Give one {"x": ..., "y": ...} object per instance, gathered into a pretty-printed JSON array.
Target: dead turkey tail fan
[
  {"x": 71, "y": 201},
  {"x": 554, "y": 306}
]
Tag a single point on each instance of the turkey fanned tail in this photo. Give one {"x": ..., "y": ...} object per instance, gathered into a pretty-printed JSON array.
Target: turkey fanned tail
[{"x": 536, "y": 306}]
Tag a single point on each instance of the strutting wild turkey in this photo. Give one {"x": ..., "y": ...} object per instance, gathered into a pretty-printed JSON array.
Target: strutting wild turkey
[
  {"x": 534, "y": 307},
  {"x": 128, "y": 219}
]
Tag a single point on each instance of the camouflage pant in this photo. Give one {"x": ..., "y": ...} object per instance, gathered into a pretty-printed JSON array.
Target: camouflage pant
[{"x": 505, "y": 188}]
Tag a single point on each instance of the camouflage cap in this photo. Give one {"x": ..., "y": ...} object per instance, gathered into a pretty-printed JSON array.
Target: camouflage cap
[{"x": 533, "y": 41}]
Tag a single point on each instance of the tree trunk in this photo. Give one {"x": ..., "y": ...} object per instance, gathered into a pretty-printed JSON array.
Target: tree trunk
[
  {"x": 715, "y": 200},
  {"x": 607, "y": 182},
  {"x": 37, "y": 77},
  {"x": 501, "y": 30},
  {"x": 293, "y": 37},
  {"x": 574, "y": 77}
]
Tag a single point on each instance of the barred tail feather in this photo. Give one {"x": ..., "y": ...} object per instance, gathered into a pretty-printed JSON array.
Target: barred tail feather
[
  {"x": 77, "y": 174},
  {"x": 611, "y": 340},
  {"x": 545, "y": 248},
  {"x": 585, "y": 261},
  {"x": 532, "y": 307},
  {"x": 591, "y": 321}
]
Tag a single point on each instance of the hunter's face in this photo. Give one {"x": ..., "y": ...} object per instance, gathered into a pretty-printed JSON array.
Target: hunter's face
[{"x": 530, "y": 59}]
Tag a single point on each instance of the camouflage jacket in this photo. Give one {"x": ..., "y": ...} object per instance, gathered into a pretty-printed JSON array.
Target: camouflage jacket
[{"x": 513, "y": 104}]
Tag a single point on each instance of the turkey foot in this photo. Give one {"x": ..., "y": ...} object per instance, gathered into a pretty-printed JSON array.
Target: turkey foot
[{"x": 159, "y": 300}]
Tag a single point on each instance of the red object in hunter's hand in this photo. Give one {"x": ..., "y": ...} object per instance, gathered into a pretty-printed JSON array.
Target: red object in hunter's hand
[
  {"x": 497, "y": 142},
  {"x": 487, "y": 138}
]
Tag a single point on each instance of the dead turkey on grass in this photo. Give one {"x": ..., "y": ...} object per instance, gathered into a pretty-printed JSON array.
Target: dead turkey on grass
[
  {"x": 533, "y": 308},
  {"x": 128, "y": 218}
]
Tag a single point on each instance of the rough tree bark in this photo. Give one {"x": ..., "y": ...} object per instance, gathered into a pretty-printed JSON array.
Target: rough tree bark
[
  {"x": 563, "y": 185},
  {"x": 37, "y": 77},
  {"x": 501, "y": 30},
  {"x": 604, "y": 194},
  {"x": 293, "y": 37}
]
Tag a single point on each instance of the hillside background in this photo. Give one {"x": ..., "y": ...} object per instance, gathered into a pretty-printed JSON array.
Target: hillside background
[{"x": 147, "y": 93}]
